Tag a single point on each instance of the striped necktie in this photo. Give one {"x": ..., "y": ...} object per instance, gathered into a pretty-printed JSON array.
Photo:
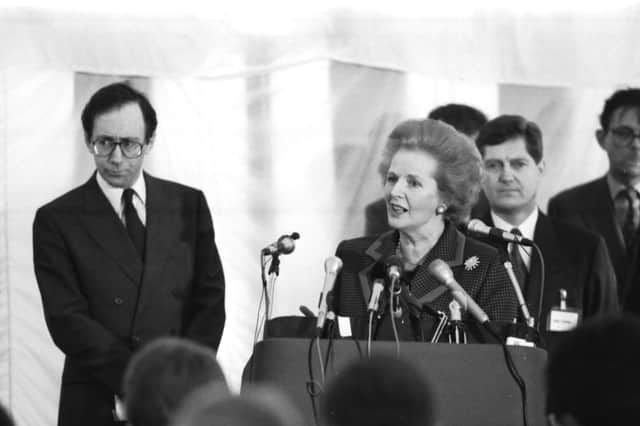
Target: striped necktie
[{"x": 519, "y": 267}]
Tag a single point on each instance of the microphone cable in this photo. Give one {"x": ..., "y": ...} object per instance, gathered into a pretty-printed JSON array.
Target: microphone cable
[
  {"x": 369, "y": 335},
  {"x": 264, "y": 296},
  {"x": 393, "y": 323},
  {"x": 513, "y": 370},
  {"x": 314, "y": 388}
]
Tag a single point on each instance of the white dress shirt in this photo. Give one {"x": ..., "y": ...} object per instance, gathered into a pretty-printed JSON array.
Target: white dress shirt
[
  {"x": 527, "y": 229},
  {"x": 114, "y": 195}
]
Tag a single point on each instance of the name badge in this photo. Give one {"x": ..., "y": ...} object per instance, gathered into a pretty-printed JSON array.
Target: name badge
[
  {"x": 344, "y": 325},
  {"x": 563, "y": 320}
]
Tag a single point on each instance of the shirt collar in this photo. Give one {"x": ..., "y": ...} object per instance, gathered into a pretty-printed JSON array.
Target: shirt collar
[
  {"x": 114, "y": 194},
  {"x": 527, "y": 227},
  {"x": 615, "y": 187}
]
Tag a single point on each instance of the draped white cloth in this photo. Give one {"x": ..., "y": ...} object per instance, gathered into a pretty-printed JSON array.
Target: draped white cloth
[{"x": 281, "y": 126}]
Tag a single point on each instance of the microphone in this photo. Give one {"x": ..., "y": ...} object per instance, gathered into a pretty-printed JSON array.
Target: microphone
[
  {"x": 516, "y": 288},
  {"x": 332, "y": 266},
  {"x": 306, "y": 312},
  {"x": 442, "y": 272},
  {"x": 284, "y": 245},
  {"x": 374, "y": 301},
  {"x": 395, "y": 267},
  {"x": 477, "y": 226}
]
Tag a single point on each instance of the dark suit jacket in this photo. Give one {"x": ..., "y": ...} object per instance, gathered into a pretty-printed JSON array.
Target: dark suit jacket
[
  {"x": 102, "y": 302},
  {"x": 574, "y": 259},
  {"x": 590, "y": 206},
  {"x": 486, "y": 282}
]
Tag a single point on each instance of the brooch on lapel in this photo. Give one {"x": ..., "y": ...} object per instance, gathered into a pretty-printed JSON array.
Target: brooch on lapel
[{"x": 471, "y": 263}]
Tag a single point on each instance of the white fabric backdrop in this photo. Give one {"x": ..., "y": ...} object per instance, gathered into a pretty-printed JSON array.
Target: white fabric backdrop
[{"x": 282, "y": 131}]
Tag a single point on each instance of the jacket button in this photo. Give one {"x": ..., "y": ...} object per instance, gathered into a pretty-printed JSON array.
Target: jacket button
[
  {"x": 118, "y": 301},
  {"x": 177, "y": 293},
  {"x": 135, "y": 339}
]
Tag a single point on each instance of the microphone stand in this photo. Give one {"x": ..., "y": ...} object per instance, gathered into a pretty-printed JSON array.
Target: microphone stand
[
  {"x": 274, "y": 271},
  {"x": 527, "y": 336}
]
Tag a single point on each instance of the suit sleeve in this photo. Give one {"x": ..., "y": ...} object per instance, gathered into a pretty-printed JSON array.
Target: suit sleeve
[
  {"x": 557, "y": 209},
  {"x": 66, "y": 308},
  {"x": 206, "y": 311},
  {"x": 553, "y": 209},
  {"x": 601, "y": 294}
]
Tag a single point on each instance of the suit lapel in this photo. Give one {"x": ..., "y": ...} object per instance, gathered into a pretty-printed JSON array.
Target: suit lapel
[
  {"x": 600, "y": 217},
  {"x": 161, "y": 228},
  {"x": 103, "y": 224},
  {"x": 545, "y": 237},
  {"x": 383, "y": 247},
  {"x": 449, "y": 248}
]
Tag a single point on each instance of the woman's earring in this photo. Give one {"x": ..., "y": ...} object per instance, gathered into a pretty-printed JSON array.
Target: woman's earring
[{"x": 441, "y": 209}]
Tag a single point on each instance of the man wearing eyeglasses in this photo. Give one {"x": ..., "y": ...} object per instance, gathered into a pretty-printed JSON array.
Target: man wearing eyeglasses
[
  {"x": 610, "y": 205},
  {"x": 123, "y": 259}
]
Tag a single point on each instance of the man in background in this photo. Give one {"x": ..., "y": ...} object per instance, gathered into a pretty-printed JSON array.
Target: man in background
[
  {"x": 122, "y": 259},
  {"x": 463, "y": 118},
  {"x": 610, "y": 205},
  {"x": 578, "y": 276}
]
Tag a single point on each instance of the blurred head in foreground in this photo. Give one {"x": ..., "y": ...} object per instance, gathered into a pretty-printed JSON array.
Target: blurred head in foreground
[
  {"x": 593, "y": 377},
  {"x": 160, "y": 375},
  {"x": 380, "y": 391},
  {"x": 259, "y": 406}
]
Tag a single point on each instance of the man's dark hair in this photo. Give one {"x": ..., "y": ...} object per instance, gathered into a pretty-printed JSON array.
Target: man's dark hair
[
  {"x": 463, "y": 118},
  {"x": 115, "y": 96},
  {"x": 506, "y": 127},
  {"x": 626, "y": 98},
  {"x": 593, "y": 374},
  {"x": 379, "y": 391},
  {"x": 161, "y": 374}
]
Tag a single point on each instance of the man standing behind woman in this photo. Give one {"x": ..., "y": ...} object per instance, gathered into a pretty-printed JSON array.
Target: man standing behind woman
[{"x": 431, "y": 175}]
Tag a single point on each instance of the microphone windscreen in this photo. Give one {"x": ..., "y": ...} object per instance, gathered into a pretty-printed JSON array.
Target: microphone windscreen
[
  {"x": 332, "y": 265},
  {"x": 477, "y": 226},
  {"x": 441, "y": 271}
]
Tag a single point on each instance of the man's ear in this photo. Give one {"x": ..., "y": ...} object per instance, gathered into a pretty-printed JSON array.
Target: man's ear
[
  {"x": 87, "y": 142},
  {"x": 149, "y": 144},
  {"x": 600, "y": 135},
  {"x": 541, "y": 166}
]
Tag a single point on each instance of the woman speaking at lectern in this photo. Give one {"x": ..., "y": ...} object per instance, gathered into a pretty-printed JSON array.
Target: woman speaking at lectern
[{"x": 431, "y": 176}]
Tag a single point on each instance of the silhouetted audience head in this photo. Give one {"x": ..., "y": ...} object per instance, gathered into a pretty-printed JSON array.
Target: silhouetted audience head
[
  {"x": 259, "y": 406},
  {"x": 593, "y": 376},
  {"x": 463, "y": 118},
  {"x": 5, "y": 417},
  {"x": 380, "y": 391},
  {"x": 162, "y": 373}
]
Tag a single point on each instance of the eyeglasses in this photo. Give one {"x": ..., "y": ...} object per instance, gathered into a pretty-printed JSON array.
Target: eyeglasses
[
  {"x": 623, "y": 136},
  {"x": 104, "y": 146}
]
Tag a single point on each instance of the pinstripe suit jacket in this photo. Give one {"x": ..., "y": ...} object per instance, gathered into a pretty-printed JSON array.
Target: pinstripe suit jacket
[{"x": 102, "y": 302}]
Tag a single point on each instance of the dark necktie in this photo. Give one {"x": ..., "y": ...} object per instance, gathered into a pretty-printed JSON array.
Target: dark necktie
[
  {"x": 519, "y": 267},
  {"x": 630, "y": 222},
  {"x": 134, "y": 225}
]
